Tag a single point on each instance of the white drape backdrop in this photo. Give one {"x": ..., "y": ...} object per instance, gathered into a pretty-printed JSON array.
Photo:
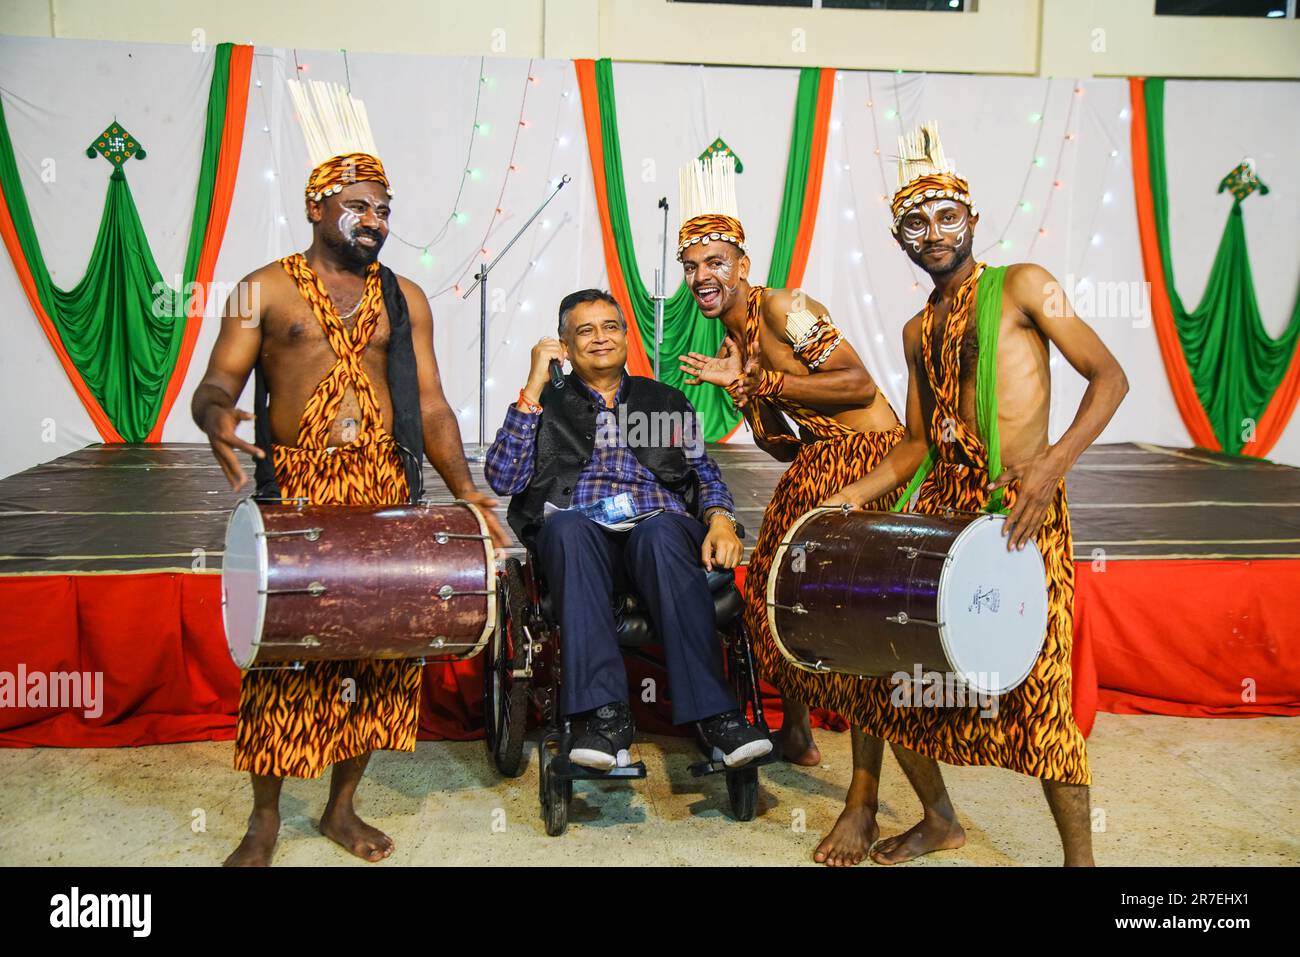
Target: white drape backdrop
[{"x": 58, "y": 94}]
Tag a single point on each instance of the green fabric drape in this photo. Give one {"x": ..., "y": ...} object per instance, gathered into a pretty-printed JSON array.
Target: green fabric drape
[
  {"x": 122, "y": 325},
  {"x": 1234, "y": 363},
  {"x": 685, "y": 328}
]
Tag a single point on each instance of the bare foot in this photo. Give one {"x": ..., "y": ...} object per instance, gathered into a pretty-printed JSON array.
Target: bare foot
[
  {"x": 258, "y": 845},
  {"x": 932, "y": 833},
  {"x": 851, "y": 837},
  {"x": 343, "y": 827},
  {"x": 797, "y": 745}
]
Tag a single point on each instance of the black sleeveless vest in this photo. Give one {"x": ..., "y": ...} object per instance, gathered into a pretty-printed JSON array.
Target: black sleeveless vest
[
  {"x": 566, "y": 438},
  {"x": 403, "y": 388}
]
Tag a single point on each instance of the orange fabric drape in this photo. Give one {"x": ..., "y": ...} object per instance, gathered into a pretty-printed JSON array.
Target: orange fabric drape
[
  {"x": 232, "y": 141},
  {"x": 638, "y": 362},
  {"x": 1275, "y": 418},
  {"x": 813, "y": 191},
  {"x": 1162, "y": 313}
]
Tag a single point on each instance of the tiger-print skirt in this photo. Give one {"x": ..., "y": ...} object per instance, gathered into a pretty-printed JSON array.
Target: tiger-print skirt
[
  {"x": 297, "y": 723},
  {"x": 1033, "y": 730},
  {"x": 820, "y": 469}
]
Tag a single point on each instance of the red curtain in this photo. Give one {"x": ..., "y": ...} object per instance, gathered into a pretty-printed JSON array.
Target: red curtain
[{"x": 159, "y": 642}]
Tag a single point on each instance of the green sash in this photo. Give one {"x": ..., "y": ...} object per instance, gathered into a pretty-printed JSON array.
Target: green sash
[{"x": 988, "y": 321}]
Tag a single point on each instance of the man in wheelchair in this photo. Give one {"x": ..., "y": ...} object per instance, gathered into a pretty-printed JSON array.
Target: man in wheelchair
[{"x": 608, "y": 473}]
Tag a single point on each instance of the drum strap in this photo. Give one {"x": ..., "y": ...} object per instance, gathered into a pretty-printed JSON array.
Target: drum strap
[{"x": 988, "y": 319}]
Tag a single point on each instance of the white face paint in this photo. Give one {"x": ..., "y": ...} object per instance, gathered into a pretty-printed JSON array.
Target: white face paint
[
  {"x": 348, "y": 221},
  {"x": 950, "y": 217},
  {"x": 714, "y": 281}
]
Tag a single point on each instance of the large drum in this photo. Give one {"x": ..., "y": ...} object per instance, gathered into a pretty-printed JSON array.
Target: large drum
[
  {"x": 320, "y": 582},
  {"x": 878, "y": 593}
]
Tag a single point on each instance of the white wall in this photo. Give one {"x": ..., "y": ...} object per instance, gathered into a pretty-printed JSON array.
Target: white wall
[
  {"x": 422, "y": 109},
  {"x": 1070, "y": 38}
]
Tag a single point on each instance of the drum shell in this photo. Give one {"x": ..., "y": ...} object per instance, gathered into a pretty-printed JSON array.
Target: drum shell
[
  {"x": 348, "y": 583},
  {"x": 866, "y": 568}
]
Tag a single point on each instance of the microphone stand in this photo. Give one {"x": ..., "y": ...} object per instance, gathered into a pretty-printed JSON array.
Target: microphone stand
[
  {"x": 661, "y": 276},
  {"x": 480, "y": 283}
]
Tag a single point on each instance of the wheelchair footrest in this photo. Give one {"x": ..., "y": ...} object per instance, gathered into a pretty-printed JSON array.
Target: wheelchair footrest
[
  {"x": 703, "y": 768},
  {"x": 565, "y": 769}
]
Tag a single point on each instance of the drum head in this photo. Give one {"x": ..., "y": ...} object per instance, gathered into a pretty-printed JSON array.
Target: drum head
[
  {"x": 992, "y": 607},
  {"x": 243, "y": 582}
]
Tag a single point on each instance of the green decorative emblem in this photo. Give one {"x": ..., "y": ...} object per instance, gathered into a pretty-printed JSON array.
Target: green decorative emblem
[
  {"x": 1243, "y": 181},
  {"x": 719, "y": 148},
  {"x": 116, "y": 145}
]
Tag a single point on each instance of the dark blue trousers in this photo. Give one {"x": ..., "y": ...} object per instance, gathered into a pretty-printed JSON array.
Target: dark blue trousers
[{"x": 660, "y": 558}]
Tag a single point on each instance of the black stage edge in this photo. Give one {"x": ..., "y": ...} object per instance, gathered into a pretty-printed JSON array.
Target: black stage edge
[{"x": 136, "y": 508}]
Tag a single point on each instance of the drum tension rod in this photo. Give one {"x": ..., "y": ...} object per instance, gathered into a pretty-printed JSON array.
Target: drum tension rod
[
  {"x": 912, "y": 552},
  {"x": 315, "y": 589},
  {"x": 306, "y": 641},
  {"x": 294, "y": 666},
  {"x": 902, "y": 618},
  {"x": 797, "y": 608},
  {"x": 442, "y": 538},
  {"x": 440, "y": 641},
  {"x": 311, "y": 534},
  {"x": 809, "y": 546},
  {"x": 446, "y": 591}
]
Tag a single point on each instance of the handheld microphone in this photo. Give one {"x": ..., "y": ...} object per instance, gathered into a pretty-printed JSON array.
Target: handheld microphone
[{"x": 557, "y": 374}]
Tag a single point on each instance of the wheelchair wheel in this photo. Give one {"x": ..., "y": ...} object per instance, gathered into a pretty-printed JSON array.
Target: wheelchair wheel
[
  {"x": 742, "y": 791},
  {"x": 505, "y": 697},
  {"x": 555, "y": 806}
]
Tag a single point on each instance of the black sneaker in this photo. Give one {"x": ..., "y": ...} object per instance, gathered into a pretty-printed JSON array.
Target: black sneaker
[
  {"x": 603, "y": 744},
  {"x": 731, "y": 739}
]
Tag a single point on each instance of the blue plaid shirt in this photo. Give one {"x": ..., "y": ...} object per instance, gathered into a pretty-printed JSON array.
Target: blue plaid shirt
[{"x": 611, "y": 470}]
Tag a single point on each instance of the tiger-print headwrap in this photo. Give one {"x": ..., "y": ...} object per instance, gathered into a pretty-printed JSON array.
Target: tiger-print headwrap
[
  {"x": 923, "y": 189},
  {"x": 339, "y": 171},
  {"x": 704, "y": 229}
]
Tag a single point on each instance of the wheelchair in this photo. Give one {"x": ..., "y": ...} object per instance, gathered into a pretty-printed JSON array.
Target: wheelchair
[{"x": 523, "y": 673}]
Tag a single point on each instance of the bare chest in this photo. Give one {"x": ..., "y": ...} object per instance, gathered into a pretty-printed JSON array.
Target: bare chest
[{"x": 293, "y": 333}]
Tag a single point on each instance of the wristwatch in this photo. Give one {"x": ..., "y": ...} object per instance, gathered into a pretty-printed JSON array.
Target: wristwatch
[{"x": 719, "y": 510}]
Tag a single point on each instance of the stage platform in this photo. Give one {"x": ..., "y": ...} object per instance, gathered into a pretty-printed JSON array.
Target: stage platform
[{"x": 1187, "y": 597}]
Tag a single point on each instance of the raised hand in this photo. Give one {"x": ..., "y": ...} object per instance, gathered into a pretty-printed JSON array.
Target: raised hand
[
  {"x": 718, "y": 370},
  {"x": 539, "y": 373},
  {"x": 748, "y": 383}
]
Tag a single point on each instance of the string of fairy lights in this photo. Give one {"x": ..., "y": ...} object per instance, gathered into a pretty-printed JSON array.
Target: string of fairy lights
[
  {"x": 534, "y": 262},
  {"x": 480, "y": 128},
  {"x": 1036, "y": 161},
  {"x": 498, "y": 211},
  {"x": 868, "y": 298},
  {"x": 426, "y": 257},
  {"x": 461, "y": 270},
  {"x": 1036, "y": 195}
]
